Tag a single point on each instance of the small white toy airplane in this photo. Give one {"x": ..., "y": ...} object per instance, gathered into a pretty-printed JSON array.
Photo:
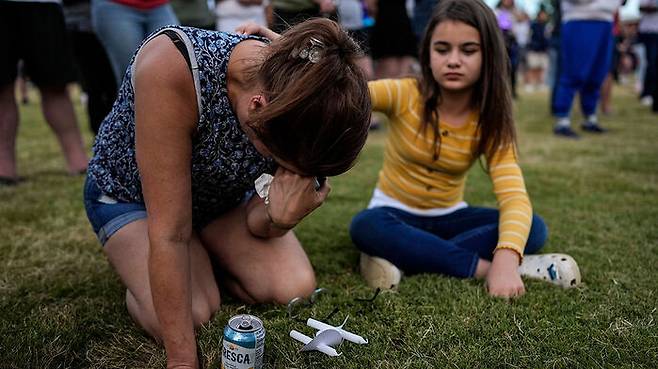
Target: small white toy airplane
[{"x": 326, "y": 337}]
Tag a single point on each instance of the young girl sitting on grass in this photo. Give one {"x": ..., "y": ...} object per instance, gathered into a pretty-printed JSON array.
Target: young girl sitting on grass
[{"x": 459, "y": 110}]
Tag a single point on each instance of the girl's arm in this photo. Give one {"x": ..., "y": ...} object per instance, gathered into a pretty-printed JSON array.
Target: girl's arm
[
  {"x": 391, "y": 96},
  {"x": 513, "y": 226},
  {"x": 291, "y": 198},
  {"x": 165, "y": 116}
]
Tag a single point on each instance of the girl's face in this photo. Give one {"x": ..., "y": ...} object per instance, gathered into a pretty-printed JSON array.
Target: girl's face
[{"x": 455, "y": 56}]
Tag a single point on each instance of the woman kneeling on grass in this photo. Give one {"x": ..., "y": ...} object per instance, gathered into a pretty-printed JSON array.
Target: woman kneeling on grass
[
  {"x": 440, "y": 125},
  {"x": 200, "y": 116}
]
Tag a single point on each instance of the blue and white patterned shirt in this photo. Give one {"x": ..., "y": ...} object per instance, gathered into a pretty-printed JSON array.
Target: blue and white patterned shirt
[{"x": 224, "y": 162}]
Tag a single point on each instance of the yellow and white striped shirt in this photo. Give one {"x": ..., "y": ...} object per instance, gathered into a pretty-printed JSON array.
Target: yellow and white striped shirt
[{"x": 411, "y": 175}]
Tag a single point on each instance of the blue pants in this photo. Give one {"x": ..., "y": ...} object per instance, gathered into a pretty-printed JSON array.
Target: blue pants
[
  {"x": 650, "y": 42},
  {"x": 585, "y": 56},
  {"x": 121, "y": 29},
  {"x": 449, "y": 244}
]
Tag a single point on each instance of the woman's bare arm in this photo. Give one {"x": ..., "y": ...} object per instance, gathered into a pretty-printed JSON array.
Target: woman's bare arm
[{"x": 165, "y": 116}]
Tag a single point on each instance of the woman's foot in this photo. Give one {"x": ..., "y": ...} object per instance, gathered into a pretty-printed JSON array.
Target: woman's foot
[
  {"x": 559, "y": 269},
  {"x": 379, "y": 273}
]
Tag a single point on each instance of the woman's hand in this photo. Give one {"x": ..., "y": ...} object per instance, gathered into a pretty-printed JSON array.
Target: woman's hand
[
  {"x": 292, "y": 197},
  {"x": 253, "y": 28},
  {"x": 503, "y": 279}
]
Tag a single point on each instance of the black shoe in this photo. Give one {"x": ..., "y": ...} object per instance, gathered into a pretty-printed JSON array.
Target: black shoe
[
  {"x": 592, "y": 128},
  {"x": 565, "y": 131},
  {"x": 8, "y": 181}
]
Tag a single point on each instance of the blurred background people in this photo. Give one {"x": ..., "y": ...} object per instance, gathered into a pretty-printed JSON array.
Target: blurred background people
[
  {"x": 508, "y": 16},
  {"x": 232, "y": 13},
  {"x": 34, "y": 32},
  {"x": 121, "y": 25},
  {"x": 195, "y": 13},
  {"x": 393, "y": 42},
  {"x": 352, "y": 16},
  {"x": 537, "y": 55},
  {"x": 648, "y": 35},
  {"x": 585, "y": 56},
  {"x": 287, "y": 13},
  {"x": 94, "y": 71},
  {"x": 421, "y": 15}
]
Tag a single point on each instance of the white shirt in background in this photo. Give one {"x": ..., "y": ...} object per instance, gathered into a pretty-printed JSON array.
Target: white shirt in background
[{"x": 230, "y": 14}]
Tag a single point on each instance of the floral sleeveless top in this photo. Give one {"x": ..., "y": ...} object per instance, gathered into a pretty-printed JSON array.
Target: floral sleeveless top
[{"x": 224, "y": 162}]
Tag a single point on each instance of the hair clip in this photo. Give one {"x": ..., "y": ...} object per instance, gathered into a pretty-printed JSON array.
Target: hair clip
[{"x": 310, "y": 52}]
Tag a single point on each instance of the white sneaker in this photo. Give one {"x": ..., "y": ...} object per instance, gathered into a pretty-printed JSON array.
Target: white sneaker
[
  {"x": 379, "y": 273},
  {"x": 559, "y": 269},
  {"x": 646, "y": 101}
]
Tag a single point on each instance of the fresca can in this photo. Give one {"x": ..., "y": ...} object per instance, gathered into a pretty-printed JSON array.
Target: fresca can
[{"x": 244, "y": 343}]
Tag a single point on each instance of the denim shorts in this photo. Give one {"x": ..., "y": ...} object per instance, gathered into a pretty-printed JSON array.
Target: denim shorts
[{"x": 108, "y": 215}]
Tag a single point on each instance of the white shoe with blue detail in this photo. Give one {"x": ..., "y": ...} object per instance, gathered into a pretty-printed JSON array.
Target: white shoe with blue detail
[{"x": 559, "y": 269}]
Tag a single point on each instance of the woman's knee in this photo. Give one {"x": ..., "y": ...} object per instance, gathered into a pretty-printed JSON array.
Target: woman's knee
[
  {"x": 286, "y": 288},
  {"x": 204, "y": 305},
  {"x": 280, "y": 287}
]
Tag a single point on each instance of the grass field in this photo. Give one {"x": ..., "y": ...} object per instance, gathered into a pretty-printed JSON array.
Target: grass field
[{"x": 61, "y": 306}]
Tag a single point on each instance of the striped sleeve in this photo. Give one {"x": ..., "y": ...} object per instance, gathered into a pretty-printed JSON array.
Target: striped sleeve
[
  {"x": 513, "y": 201},
  {"x": 387, "y": 95}
]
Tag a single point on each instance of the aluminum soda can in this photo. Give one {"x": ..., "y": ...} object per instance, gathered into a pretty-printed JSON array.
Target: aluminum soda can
[{"x": 244, "y": 343}]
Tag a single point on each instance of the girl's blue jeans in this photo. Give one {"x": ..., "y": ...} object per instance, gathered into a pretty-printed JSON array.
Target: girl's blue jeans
[{"x": 448, "y": 244}]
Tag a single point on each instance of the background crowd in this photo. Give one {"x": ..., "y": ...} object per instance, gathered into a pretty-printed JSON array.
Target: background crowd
[{"x": 53, "y": 43}]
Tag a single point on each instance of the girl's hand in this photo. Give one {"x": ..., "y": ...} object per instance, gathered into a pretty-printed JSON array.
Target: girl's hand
[
  {"x": 503, "y": 279},
  {"x": 292, "y": 197},
  {"x": 253, "y": 28}
]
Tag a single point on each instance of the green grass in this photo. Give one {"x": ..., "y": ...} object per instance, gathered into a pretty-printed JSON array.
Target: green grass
[{"x": 61, "y": 306}]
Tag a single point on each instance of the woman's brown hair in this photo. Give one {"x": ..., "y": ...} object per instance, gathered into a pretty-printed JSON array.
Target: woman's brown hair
[
  {"x": 318, "y": 110},
  {"x": 491, "y": 94}
]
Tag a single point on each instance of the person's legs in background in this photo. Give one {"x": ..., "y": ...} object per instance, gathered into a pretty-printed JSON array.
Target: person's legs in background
[
  {"x": 10, "y": 23},
  {"x": 49, "y": 63},
  {"x": 58, "y": 110},
  {"x": 600, "y": 35},
  {"x": 577, "y": 59},
  {"x": 40, "y": 40},
  {"x": 650, "y": 81},
  {"x": 8, "y": 132},
  {"x": 121, "y": 29},
  {"x": 96, "y": 76},
  {"x": 159, "y": 17}
]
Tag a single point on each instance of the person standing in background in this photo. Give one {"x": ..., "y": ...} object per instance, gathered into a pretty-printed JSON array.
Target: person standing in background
[
  {"x": 585, "y": 54},
  {"x": 423, "y": 10},
  {"x": 34, "y": 31},
  {"x": 195, "y": 13},
  {"x": 350, "y": 17},
  {"x": 553, "y": 74},
  {"x": 232, "y": 13},
  {"x": 121, "y": 25},
  {"x": 649, "y": 38},
  {"x": 287, "y": 13},
  {"x": 94, "y": 70},
  {"x": 537, "y": 56},
  {"x": 393, "y": 42}
]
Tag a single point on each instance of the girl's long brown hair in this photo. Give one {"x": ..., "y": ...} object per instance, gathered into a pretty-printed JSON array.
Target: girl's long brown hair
[{"x": 491, "y": 94}]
